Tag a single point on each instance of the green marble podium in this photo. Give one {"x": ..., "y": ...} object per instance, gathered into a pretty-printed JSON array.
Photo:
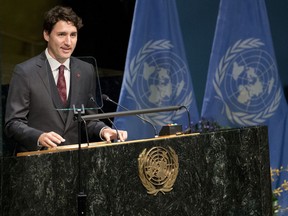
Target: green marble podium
[{"x": 220, "y": 173}]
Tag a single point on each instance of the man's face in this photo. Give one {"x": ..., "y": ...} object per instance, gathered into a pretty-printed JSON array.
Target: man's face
[{"x": 61, "y": 41}]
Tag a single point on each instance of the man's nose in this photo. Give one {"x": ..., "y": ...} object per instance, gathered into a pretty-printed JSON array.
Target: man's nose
[{"x": 68, "y": 40}]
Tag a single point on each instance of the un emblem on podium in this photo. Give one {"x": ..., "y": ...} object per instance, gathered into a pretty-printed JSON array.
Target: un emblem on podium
[{"x": 158, "y": 169}]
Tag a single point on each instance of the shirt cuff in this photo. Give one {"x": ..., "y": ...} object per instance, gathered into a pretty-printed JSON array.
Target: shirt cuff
[
  {"x": 39, "y": 146},
  {"x": 101, "y": 132}
]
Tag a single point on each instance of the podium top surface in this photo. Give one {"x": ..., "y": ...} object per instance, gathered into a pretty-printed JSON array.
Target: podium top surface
[{"x": 96, "y": 145}]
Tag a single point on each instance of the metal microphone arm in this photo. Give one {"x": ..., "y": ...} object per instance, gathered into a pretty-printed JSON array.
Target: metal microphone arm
[
  {"x": 189, "y": 119},
  {"x": 105, "y": 97},
  {"x": 131, "y": 112}
]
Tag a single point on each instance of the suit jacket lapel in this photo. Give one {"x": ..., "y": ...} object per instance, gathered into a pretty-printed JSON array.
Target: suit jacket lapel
[
  {"x": 44, "y": 70},
  {"x": 46, "y": 76}
]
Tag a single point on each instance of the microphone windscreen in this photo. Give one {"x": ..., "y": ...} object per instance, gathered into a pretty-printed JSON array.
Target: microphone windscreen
[{"x": 105, "y": 97}]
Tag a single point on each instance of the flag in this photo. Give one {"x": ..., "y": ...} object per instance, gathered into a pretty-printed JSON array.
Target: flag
[
  {"x": 156, "y": 71},
  {"x": 243, "y": 87}
]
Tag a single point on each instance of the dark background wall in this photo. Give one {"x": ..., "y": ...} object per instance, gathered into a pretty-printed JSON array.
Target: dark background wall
[{"x": 106, "y": 30}]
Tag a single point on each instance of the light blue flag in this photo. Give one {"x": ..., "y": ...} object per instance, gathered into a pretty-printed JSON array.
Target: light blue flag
[
  {"x": 243, "y": 87},
  {"x": 156, "y": 71}
]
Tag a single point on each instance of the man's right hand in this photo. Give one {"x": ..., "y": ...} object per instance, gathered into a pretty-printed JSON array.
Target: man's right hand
[{"x": 50, "y": 139}]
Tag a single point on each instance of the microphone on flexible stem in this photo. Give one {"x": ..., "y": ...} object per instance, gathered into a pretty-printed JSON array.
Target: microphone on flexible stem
[
  {"x": 189, "y": 130},
  {"x": 111, "y": 122},
  {"x": 105, "y": 97}
]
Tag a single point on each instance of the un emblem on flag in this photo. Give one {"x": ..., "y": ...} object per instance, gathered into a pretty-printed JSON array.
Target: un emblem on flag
[
  {"x": 158, "y": 77},
  {"x": 246, "y": 81}
]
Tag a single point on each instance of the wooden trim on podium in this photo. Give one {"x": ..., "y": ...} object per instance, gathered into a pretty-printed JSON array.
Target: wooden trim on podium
[{"x": 95, "y": 145}]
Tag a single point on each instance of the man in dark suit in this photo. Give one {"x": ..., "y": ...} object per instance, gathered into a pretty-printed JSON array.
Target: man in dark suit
[{"x": 38, "y": 114}]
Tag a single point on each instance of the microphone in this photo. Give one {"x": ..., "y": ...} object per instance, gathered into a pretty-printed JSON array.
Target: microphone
[
  {"x": 91, "y": 98},
  {"x": 105, "y": 97},
  {"x": 189, "y": 130}
]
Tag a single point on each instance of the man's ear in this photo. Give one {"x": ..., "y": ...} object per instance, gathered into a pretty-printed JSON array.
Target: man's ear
[{"x": 46, "y": 35}]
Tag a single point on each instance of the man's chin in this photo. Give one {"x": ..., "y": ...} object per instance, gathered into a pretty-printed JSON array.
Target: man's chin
[{"x": 65, "y": 56}]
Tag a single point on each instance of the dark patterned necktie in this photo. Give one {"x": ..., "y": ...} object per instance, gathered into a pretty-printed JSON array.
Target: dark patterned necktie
[{"x": 61, "y": 85}]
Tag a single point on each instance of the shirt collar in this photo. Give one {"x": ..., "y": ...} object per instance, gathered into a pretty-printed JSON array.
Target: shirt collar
[{"x": 54, "y": 64}]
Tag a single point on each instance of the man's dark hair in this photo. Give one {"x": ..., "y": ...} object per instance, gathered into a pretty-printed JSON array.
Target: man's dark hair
[{"x": 59, "y": 13}]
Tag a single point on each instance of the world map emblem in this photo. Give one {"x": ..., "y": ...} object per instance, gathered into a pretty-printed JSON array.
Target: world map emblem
[
  {"x": 158, "y": 76},
  {"x": 247, "y": 83},
  {"x": 158, "y": 169}
]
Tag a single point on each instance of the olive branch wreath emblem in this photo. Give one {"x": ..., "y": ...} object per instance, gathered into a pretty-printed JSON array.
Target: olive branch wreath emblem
[
  {"x": 134, "y": 67},
  {"x": 242, "y": 118},
  {"x": 167, "y": 186}
]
